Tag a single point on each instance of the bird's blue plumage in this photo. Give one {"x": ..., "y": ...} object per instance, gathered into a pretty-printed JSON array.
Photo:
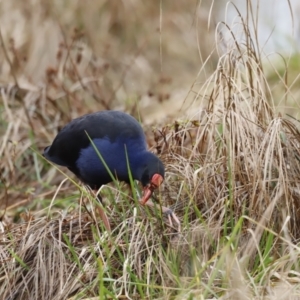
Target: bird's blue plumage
[
  {"x": 92, "y": 168},
  {"x": 111, "y": 132}
]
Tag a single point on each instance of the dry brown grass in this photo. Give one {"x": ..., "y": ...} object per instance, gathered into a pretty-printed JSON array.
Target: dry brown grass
[{"x": 232, "y": 167}]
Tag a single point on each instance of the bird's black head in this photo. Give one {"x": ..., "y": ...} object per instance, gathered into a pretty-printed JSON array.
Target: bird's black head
[
  {"x": 151, "y": 176},
  {"x": 152, "y": 166}
]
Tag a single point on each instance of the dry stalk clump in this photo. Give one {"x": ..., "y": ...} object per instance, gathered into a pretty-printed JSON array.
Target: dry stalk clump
[
  {"x": 65, "y": 256},
  {"x": 236, "y": 158}
]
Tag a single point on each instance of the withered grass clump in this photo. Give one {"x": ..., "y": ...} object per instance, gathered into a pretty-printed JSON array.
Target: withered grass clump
[
  {"x": 232, "y": 178},
  {"x": 71, "y": 255}
]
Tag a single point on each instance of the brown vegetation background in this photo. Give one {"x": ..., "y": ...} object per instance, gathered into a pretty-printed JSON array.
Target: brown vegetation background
[{"x": 213, "y": 110}]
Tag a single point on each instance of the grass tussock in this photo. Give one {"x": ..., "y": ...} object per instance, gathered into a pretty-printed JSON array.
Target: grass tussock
[{"x": 232, "y": 178}]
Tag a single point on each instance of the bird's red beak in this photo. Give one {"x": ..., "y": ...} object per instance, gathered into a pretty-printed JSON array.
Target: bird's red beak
[{"x": 155, "y": 182}]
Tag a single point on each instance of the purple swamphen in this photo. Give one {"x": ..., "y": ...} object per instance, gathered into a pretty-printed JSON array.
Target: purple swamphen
[{"x": 120, "y": 141}]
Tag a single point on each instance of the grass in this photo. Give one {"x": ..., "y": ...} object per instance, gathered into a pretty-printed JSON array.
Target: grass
[{"x": 232, "y": 163}]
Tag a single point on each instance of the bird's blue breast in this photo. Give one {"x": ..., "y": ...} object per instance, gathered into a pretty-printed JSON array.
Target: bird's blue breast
[{"x": 93, "y": 171}]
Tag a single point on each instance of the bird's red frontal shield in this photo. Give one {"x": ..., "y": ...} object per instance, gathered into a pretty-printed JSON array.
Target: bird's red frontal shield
[{"x": 155, "y": 182}]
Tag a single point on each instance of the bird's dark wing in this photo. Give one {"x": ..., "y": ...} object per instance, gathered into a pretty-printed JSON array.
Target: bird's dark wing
[{"x": 112, "y": 125}]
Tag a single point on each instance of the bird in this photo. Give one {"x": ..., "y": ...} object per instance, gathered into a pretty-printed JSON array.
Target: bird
[{"x": 101, "y": 145}]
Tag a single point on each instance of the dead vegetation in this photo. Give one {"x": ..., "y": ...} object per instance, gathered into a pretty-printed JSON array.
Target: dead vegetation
[{"x": 233, "y": 178}]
